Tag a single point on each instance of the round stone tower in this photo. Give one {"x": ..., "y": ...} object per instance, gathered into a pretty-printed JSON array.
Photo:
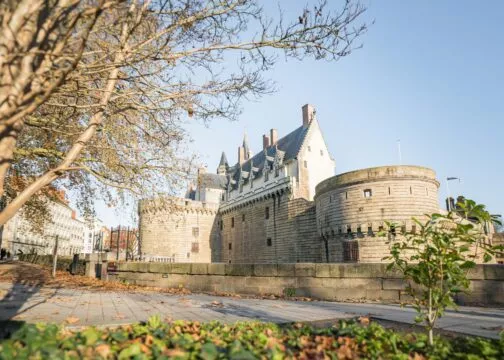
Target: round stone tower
[{"x": 353, "y": 207}]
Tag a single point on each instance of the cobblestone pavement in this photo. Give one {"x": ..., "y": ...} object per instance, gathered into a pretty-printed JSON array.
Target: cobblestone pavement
[{"x": 82, "y": 307}]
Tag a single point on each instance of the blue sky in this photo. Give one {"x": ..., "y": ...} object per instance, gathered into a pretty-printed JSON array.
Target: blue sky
[{"x": 430, "y": 73}]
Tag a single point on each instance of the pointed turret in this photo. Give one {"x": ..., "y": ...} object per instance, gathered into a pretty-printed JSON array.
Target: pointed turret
[
  {"x": 248, "y": 153},
  {"x": 223, "y": 165}
]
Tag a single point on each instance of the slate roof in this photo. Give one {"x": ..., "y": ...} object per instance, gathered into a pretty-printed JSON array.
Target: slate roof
[
  {"x": 213, "y": 181},
  {"x": 286, "y": 148}
]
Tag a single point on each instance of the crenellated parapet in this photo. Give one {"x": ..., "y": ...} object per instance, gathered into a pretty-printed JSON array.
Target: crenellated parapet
[{"x": 176, "y": 205}]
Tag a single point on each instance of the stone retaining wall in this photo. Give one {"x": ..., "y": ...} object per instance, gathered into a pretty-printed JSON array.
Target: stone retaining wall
[{"x": 338, "y": 282}]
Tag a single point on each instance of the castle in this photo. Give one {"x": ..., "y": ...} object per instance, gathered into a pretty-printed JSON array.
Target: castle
[{"x": 285, "y": 205}]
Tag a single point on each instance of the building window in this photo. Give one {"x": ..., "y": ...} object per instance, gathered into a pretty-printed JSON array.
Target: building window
[
  {"x": 232, "y": 222},
  {"x": 380, "y": 228},
  {"x": 266, "y": 175},
  {"x": 309, "y": 148},
  {"x": 195, "y": 231},
  {"x": 230, "y": 247},
  {"x": 222, "y": 224},
  {"x": 370, "y": 231},
  {"x": 306, "y": 164},
  {"x": 243, "y": 217},
  {"x": 389, "y": 190},
  {"x": 195, "y": 247},
  {"x": 349, "y": 229},
  {"x": 188, "y": 255},
  {"x": 413, "y": 229},
  {"x": 351, "y": 251},
  {"x": 266, "y": 212},
  {"x": 368, "y": 193},
  {"x": 410, "y": 190},
  {"x": 321, "y": 152},
  {"x": 268, "y": 242},
  {"x": 223, "y": 197},
  {"x": 346, "y": 195},
  {"x": 340, "y": 231}
]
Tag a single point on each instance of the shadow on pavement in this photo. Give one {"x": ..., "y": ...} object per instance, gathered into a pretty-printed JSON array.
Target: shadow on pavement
[{"x": 19, "y": 283}]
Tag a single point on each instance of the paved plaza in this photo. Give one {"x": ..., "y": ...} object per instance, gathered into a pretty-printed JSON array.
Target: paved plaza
[{"x": 76, "y": 307}]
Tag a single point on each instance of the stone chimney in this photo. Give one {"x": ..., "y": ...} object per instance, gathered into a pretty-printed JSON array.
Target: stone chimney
[
  {"x": 308, "y": 114},
  {"x": 273, "y": 136},
  {"x": 241, "y": 155},
  {"x": 266, "y": 141}
]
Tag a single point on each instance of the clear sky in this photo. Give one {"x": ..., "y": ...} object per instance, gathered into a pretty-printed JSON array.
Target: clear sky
[{"x": 430, "y": 74}]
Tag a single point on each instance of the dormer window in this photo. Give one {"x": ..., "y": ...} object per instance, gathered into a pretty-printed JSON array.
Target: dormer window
[{"x": 368, "y": 193}]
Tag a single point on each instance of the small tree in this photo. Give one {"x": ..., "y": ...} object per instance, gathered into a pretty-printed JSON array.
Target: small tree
[{"x": 435, "y": 261}]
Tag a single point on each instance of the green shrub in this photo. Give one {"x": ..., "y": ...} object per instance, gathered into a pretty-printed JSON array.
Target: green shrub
[{"x": 246, "y": 340}]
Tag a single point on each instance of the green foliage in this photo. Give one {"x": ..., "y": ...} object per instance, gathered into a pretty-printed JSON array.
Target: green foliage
[
  {"x": 289, "y": 292},
  {"x": 435, "y": 261},
  {"x": 250, "y": 340}
]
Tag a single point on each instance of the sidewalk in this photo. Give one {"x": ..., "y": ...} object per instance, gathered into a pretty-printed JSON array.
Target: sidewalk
[{"x": 82, "y": 307}]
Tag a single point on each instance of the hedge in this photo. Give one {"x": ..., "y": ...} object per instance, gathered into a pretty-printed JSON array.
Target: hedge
[{"x": 246, "y": 340}]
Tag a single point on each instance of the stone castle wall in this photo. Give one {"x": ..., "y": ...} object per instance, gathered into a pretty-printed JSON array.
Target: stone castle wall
[
  {"x": 340, "y": 282},
  {"x": 353, "y": 207},
  {"x": 272, "y": 229},
  {"x": 178, "y": 230}
]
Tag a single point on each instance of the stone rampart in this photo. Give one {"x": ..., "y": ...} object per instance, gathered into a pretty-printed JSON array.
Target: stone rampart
[{"x": 338, "y": 282}]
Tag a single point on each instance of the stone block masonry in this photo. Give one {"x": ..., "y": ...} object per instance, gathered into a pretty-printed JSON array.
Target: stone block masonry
[
  {"x": 272, "y": 230},
  {"x": 337, "y": 282}
]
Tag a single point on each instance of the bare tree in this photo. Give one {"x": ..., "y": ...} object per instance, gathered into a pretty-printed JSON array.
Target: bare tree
[{"x": 95, "y": 93}]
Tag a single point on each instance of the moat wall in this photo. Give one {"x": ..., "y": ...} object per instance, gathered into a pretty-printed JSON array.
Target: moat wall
[{"x": 339, "y": 282}]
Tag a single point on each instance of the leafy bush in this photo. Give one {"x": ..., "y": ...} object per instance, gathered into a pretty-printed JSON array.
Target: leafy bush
[
  {"x": 247, "y": 340},
  {"x": 436, "y": 260}
]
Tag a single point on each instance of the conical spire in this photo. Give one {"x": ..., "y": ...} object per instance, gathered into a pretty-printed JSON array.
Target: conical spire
[
  {"x": 246, "y": 146},
  {"x": 223, "y": 165},
  {"x": 223, "y": 160}
]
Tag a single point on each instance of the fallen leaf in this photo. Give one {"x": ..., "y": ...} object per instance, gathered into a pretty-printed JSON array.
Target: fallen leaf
[{"x": 72, "y": 320}]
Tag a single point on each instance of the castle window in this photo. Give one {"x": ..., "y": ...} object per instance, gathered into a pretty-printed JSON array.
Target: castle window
[
  {"x": 370, "y": 231},
  {"x": 346, "y": 195},
  {"x": 188, "y": 255},
  {"x": 349, "y": 229},
  {"x": 426, "y": 191},
  {"x": 403, "y": 229},
  {"x": 330, "y": 199},
  {"x": 232, "y": 222},
  {"x": 340, "y": 231},
  {"x": 266, "y": 175},
  {"x": 368, "y": 193},
  {"x": 359, "y": 230},
  {"x": 222, "y": 224},
  {"x": 269, "y": 242},
  {"x": 305, "y": 164},
  {"x": 410, "y": 190},
  {"x": 277, "y": 172},
  {"x": 243, "y": 217},
  {"x": 195, "y": 247},
  {"x": 223, "y": 197},
  {"x": 230, "y": 247},
  {"x": 321, "y": 152},
  {"x": 266, "y": 212},
  {"x": 195, "y": 231},
  {"x": 309, "y": 148},
  {"x": 413, "y": 229},
  {"x": 389, "y": 190},
  {"x": 350, "y": 251},
  {"x": 380, "y": 228}
]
